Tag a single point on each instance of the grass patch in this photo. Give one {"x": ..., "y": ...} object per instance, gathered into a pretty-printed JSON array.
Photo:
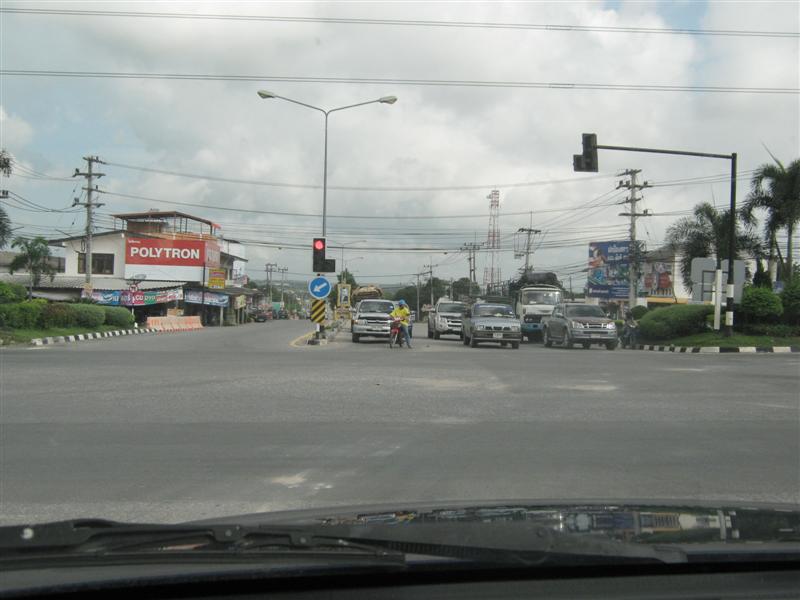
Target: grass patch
[
  {"x": 714, "y": 338},
  {"x": 21, "y": 336}
]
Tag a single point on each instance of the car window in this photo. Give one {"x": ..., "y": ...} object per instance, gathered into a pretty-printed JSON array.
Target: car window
[
  {"x": 492, "y": 310},
  {"x": 372, "y": 306},
  {"x": 584, "y": 311}
]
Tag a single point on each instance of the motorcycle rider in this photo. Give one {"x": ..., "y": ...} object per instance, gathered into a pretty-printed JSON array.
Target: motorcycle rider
[
  {"x": 630, "y": 333},
  {"x": 403, "y": 314}
]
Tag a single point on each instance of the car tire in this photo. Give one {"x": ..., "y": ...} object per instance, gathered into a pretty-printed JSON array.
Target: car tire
[
  {"x": 464, "y": 340},
  {"x": 430, "y": 333},
  {"x": 568, "y": 341},
  {"x": 515, "y": 345},
  {"x": 611, "y": 346},
  {"x": 503, "y": 344},
  {"x": 436, "y": 335},
  {"x": 586, "y": 345},
  {"x": 473, "y": 343},
  {"x": 355, "y": 338},
  {"x": 548, "y": 343}
]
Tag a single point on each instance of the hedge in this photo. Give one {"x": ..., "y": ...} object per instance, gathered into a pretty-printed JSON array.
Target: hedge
[
  {"x": 674, "y": 321},
  {"x": 638, "y": 312},
  {"x": 760, "y": 305},
  {"x": 790, "y": 298},
  {"x": 57, "y": 315},
  {"x": 88, "y": 315},
  {"x": 21, "y": 315},
  {"x": 12, "y": 293},
  {"x": 118, "y": 316}
]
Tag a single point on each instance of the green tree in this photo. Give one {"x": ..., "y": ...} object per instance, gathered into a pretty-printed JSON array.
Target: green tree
[
  {"x": 706, "y": 233},
  {"x": 776, "y": 189},
  {"x": 34, "y": 257}
]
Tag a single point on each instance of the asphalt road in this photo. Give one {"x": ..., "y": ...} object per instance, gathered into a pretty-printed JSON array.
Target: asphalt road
[{"x": 225, "y": 421}]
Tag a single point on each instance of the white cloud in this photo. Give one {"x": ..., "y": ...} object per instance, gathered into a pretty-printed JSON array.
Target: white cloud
[
  {"x": 433, "y": 136},
  {"x": 15, "y": 132}
]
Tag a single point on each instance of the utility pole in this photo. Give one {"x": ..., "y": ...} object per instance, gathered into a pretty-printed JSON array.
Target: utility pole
[
  {"x": 269, "y": 268},
  {"x": 430, "y": 279},
  {"x": 527, "y": 251},
  {"x": 633, "y": 271},
  {"x": 282, "y": 271},
  {"x": 471, "y": 248},
  {"x": 90, "y": 188},
  {"x": 419, "y": 315}
]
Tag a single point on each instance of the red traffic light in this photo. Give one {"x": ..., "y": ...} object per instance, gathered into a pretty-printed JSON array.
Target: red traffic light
[{"x": 319, "y": 244}]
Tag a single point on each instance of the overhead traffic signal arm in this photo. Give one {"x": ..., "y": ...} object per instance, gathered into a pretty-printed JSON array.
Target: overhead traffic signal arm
[{"x": 320, "y": 264}]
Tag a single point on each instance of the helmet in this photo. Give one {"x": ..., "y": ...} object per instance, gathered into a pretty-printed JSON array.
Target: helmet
[{"x": 401, "y": 302}]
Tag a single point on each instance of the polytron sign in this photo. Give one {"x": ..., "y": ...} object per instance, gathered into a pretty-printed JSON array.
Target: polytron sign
[{"x": 169, "y": 260}]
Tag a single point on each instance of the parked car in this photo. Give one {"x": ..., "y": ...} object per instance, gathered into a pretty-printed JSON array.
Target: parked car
[
  {"x": 584, "y": 324},
  {"x": 371, "y": 319},
  {"x": 446, "y": 318},
  {"x": 486, "y": 322},
  {"x": 260, "y": 316}
]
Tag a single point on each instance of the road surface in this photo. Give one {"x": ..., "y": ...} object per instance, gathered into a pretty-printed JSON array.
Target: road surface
[{"x": 165, "y": 428}]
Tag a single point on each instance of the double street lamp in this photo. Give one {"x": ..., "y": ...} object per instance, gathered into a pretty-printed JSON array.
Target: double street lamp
[{"x": 266, "y": 95}]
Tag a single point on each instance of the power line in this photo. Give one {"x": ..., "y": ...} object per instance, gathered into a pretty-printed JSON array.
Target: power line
[
  {"x": 352, "y": 188},
  {"x": 407, "y": 23},
  {"x": 467, "y": 83}
]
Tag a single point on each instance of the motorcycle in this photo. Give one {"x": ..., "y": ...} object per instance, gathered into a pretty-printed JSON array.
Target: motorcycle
[
  {"x": 630, "y": 336},
  {"x": 395, "y": 333}
]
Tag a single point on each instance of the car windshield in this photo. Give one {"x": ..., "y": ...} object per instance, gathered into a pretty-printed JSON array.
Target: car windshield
[
  {"x": 492, "y": 310},
  {"x": 376, "y": 307},
  {"x": 209, "y": 210},
  {"x": 534, "y": 297},
  {"x": 451, "y": 308},
  {"x": 584, "y": 310}
]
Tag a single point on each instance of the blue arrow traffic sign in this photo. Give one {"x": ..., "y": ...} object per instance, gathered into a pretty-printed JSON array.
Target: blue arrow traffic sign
[{"x": 319, "y": 288}]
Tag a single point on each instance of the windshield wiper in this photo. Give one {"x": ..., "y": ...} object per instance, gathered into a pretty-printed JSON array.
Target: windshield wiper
[{"x": 101, "y": 537}]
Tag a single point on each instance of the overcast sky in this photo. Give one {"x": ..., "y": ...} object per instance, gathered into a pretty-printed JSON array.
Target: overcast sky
[{"x": 434, "y": 137}]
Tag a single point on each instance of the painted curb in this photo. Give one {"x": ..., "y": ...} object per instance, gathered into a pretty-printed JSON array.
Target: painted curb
[
  {"x": 718, "y": 349},
  {"x": 50, "y": 341}
]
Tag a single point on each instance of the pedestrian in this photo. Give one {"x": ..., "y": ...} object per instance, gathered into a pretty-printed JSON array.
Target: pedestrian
[{"x": 630, "y": 334}]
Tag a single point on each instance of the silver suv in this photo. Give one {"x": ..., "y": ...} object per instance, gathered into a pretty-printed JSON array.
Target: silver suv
[
  {"x": 446, "y": 318},
  {"x": 371, "y": 319}
]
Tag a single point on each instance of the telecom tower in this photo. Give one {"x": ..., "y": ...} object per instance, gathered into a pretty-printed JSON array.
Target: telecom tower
[{"x": 491, "y": 273}]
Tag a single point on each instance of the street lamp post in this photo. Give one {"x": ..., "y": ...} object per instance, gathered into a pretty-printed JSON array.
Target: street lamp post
[{"x": 266, "y": 95}]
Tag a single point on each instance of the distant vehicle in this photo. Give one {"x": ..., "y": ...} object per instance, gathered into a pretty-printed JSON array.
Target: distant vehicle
[
  {"x": 282, "y": 314},
  {"x": 534, "y": 302},
  {"x": 486, "y": 322},
  {"x": 371, "y": 319},
  {"x": 584, "y": 324},
  {"x": 260, "y": 316},
  {"x": 446, "y": 318}
]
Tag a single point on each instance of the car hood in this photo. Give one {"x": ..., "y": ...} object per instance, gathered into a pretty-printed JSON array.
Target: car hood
[
  {"x": 648, "y": 521},
  {"x": 452, "y": 315},
  {"x": 537, "y": 309},
  {"x": 373, "y": 315}
]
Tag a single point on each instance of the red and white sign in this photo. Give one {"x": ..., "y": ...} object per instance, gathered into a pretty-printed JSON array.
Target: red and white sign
[{"x": 169, "y": 260}]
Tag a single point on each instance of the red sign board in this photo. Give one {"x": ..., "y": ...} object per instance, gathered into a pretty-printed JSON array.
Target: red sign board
[{"x": 154, "y": 251}]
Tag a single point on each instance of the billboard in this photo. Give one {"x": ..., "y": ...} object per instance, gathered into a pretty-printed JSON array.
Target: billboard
[
  {"x": 216, "y": 279},
  {"x": 169, "y": 260},
  {"x": 135, "y": 298},
  {"x": 609, "y": 265},
  {"x": 207, "y": 298}
]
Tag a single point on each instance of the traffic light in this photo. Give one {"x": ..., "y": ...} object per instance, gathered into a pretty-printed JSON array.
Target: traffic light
[
  {"x": 319, "y": 262},
  {"x": 588, "y": 160}
]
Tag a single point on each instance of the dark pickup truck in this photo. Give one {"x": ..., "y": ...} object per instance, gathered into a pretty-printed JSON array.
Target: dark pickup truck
[{"x": 584, "y": 324}]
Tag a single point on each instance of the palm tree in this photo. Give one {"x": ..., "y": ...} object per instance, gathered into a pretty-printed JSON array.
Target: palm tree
[
  {"x": 5, "y": 228},
  {"x": 34, "y": 257},
  {"x": 776, "y": 189},
  {"x": 706, "y": 233}
]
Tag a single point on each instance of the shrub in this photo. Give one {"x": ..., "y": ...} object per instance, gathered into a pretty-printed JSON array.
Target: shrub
[
  {"x": 12, "y": 292},
  {"x": 88, "y": 315},
  {"x": 57, "y": 315},
  {"x": 118, "y": 316},
  {"x": 638, "y": 312},
  {"x": 21, "y": 315},
  {"x": 760, "y": 305},
  {"x": 674, "y": 321},
  {"x": 790, "y": 298},
  {"x": 771, "y": 330}
]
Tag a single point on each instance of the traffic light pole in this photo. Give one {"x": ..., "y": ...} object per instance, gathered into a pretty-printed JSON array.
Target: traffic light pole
[{"x": 732, "y": 231}]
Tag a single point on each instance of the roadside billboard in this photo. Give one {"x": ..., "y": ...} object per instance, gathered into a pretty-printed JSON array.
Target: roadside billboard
[
  {"x": 169, "y": 260},
  {"x": 216, "y": 279},
  {"x": 135, "y": 298},
  {"x": 609, "y": 266},
  {"x": 207, "y": 298}
]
